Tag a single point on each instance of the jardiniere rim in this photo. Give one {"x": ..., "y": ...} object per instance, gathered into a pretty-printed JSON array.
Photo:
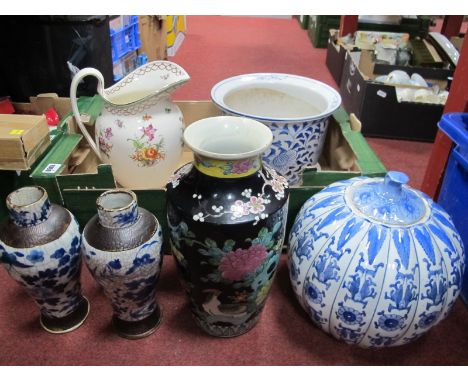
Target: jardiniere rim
[{"x": 224, "y": 87}]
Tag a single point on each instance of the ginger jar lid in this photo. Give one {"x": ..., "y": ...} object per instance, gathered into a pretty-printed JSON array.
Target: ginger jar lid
[{"x": 388, "y": 200}]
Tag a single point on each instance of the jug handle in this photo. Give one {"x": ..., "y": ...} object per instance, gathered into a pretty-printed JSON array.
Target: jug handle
[{"x": 76, "y": 113}]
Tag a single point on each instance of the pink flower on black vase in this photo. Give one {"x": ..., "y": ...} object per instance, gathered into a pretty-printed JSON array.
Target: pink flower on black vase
[
  {"x": 239, "y": 263},
  {"x": 239, "y": 209},
  {"x": 277, "y": 185},
  {"x": 256, "y": 205}
]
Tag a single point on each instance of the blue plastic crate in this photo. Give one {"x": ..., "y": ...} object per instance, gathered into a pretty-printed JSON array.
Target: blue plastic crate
[
  {"x": 125, "y": 65},
  {"x": 454, "y": 191},
  {"x": 125, "y": 40}
]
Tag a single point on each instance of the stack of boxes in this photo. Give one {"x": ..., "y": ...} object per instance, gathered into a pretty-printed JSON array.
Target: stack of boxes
[{"x": 382, "y": 112}]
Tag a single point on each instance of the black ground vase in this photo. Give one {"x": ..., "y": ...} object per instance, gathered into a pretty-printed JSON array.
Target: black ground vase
[{"x": 227, "y": 215}]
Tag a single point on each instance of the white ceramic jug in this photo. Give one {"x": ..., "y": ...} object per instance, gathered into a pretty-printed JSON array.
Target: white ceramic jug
[{"x": 139, "y": 131}]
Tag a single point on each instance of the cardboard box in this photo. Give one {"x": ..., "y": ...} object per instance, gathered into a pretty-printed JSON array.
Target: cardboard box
[
  {"x": 376, "y": 104},
  {"x": 336, "y": 54},
  {"x": 65, "y": 136},
  {"x": 153, "y": 35},
  {"x": 41, "y": 103},
  {"x": 11, "y": 180},
  {"x": 23, "y": 138},
  {"x": 76, "y": 178},
  {"x": 444, "y": 71},
  {"x": 365, "y": 39},
  {"x": 320, "y": 25},
  {"x": 73, "y": 176}
]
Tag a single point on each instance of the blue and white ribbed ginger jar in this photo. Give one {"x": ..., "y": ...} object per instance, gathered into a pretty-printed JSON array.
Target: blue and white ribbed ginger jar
[
  {"x": 40, "y": 249},
  {"x": 374, "y": 262},
  {"x": 122, "y": 247},
  {"x": 297, "y": 110}
]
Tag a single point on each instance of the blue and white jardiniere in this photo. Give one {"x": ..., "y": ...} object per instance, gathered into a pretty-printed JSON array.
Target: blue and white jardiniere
[
  {"x": 297, "y": 110},
  {"x": 374, "y": 262},
  {"x": 40, "y": 249},
  {"x": 122, "y": 247}
]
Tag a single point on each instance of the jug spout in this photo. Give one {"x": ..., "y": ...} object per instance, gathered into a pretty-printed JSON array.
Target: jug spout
[
  {"x": 145, "y": 85},
  {"x": 154, "y": 79}
]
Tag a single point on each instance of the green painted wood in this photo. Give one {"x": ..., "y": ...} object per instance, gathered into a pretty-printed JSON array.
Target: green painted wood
[
  {"x": 341, "y": 116},
  {"x": 7, "y": 181},
  {"x": 58, "y": 155},
  {"x": 81, "y": 203},
  {"x": 368, "y": 161},
  {"x": 62, "y": 145},
  {"x": 79, "y": 192},
  {"x": 90, "y": 106},
  {"x": 52, "y": 188},
  {"x": 103, "y": 178}
]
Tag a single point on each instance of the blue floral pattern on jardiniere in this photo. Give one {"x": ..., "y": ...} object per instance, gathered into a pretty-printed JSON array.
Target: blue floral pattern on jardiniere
[{"x": 272, "y": 98}]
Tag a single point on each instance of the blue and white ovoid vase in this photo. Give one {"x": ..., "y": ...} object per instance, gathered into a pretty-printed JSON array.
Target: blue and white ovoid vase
[
  {"x": 122, "y": 247},
  {"x": 40, "y": 249},
  {"x": 374, "y": 262}
]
